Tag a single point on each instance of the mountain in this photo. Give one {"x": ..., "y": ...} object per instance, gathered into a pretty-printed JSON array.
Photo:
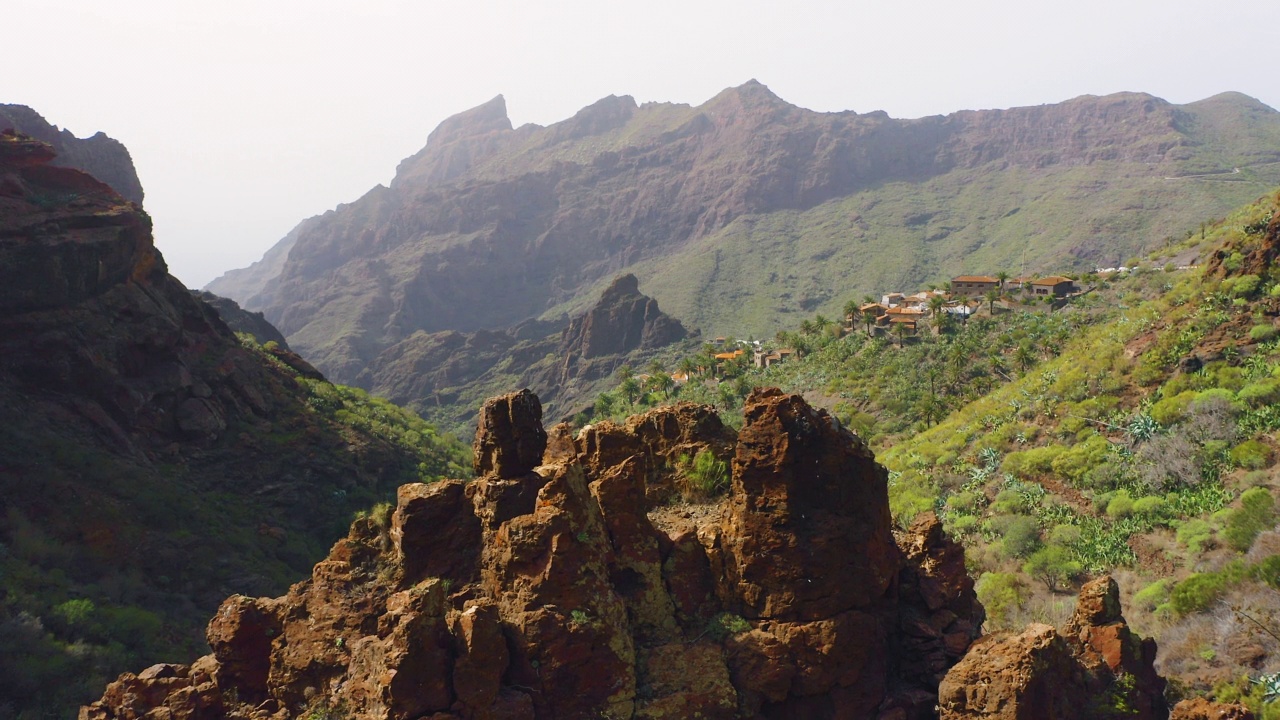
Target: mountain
[
  {"x": 101, "y": 156},
  {"x": 444, "y": 375},
  {"x": 150, "y": 461},
  {"x": 744, "y": 211}
]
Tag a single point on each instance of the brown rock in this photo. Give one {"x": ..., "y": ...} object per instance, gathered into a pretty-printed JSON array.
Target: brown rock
[
  {"x": 552, "y": 594},
  {"x": 509, "y": 439},
  {"x": 1202, "y": 709},
  {"x": 807, "y": 513}
]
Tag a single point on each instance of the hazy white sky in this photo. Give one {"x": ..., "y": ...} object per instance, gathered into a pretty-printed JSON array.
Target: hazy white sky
[{"x": 246, "y": 116}]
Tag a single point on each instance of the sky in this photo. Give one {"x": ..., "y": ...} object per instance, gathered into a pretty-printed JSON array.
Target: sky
[{"x": 245, "y": 117}]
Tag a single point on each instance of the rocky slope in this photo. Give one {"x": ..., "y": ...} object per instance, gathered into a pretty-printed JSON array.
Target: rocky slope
[
  {"x": 740, "y": 211},
  {"x": 446, "y": 375},
  {"x": 101, "y": 156},
  {"x": 562, "y": 584},
  {"x": 149, "y": 462},
  {"x": 241, "y": 320}
]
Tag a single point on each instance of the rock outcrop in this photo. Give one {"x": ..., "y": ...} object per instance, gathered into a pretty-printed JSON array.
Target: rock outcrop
[
  {"x": 623, "y": 320},
  {"x": 569, "y": 590},
  {"x": 1095, "y": 668},
  {"x": 150, "y": 464},
  {"x": 100, "y": 156},
  {"x": 243, "y": 321},
  {"x": 450, "y": 372}
]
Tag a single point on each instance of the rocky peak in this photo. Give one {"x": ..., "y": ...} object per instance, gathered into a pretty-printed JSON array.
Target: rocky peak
[
  {"x": 567, "y": 590},
  {"x": 456, "y": 144},
  {"x": 101, "y": 156},
  {"x": 597, "y": 118},
  {"x": 621, "y": 321}
]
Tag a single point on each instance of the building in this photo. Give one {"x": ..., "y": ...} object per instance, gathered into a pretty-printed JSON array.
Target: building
[
  {"x": 972, "y": 285},
  {"x": 1052, "y": 286}
]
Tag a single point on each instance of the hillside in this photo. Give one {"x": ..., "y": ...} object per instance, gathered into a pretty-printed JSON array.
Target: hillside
[
  {"x": 152, "y": 462},
  {"x": 101, "y": 156},
  {"x": 745, "y": 213},
  {"x": 1133, "y": 430}
]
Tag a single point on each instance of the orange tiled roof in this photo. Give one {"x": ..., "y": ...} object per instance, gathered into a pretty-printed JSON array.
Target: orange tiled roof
[
  {"x": 1052, "y": 280},
  {"x": 975, "y": 279}
]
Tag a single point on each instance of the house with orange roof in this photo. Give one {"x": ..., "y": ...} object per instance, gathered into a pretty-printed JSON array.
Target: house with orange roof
[
  {"x": 970, "y": 285},
  {"x": 1052, "y": 286}
]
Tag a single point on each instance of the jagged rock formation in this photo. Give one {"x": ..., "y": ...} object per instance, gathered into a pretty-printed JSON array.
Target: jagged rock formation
[
  {"x": 448, "y": 373},
  {"x": 102, "y": 157},
  {"x": 241, "y": 320},
  {"x": 149, "y": 463},
  {"x": 623, "y": 320},
  {"x": 741, "y": 211},
  {"x": 1095, "y": 668},
  {"x": 566, "y": 589}
]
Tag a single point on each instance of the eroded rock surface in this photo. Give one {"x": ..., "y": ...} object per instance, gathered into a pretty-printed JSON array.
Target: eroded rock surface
[
  {"x": 570, "y": 590},
  {"x": 1094, "y": 668}
]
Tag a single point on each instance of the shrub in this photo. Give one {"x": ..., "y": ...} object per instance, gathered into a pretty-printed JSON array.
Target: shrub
[
  {"x": 1000, "y": 594},
  {"x": 1197, "y": 592},
  {"x": 1121, "y": 505},
  {"x": 1257, "y": 513},
  {"x": 1064, "y": 535},
  {"x": 1153, "y": 595},
  {"x": 1195, "y": 534},
  {"x": 1021, "y": 536},
  {"x": 1251, "y": 455},
  {"x": 1052, "y": 566},
  {"x": 1172, "y": 409},
  {"x": 1262, "y": 333},
  {"x": 704, "y": 476},
  {"x": 1149, "y": 506},
  {"x": 1261, "y": 393}
]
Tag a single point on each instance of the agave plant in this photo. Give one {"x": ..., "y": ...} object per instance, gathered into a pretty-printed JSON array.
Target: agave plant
[{"x": 1271, "y": 686}]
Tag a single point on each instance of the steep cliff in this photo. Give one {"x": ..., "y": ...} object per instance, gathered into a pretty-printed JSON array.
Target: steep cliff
[
  {"x": 102, "y": 157},
  {"x": 745, "y": 209},
  {"x": 562, "y": 584},
  {"x": 149, "y": 462}
]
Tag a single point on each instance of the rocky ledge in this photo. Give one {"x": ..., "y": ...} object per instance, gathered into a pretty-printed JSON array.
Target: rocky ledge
[{"x": 564, "y": 583}]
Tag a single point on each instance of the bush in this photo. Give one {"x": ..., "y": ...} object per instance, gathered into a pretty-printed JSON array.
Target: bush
[
  {"x": 1261, "y": 393},
  {"x": 1257, "y": 513},
  {"x": 1251, "y": 455},
  {"x": 1197, "y": 592},
  {"x": 1195, "y": 535},
  {"x": 704, "y": 476},
  {"x": 1153, "y": 595},
  {"x": 1000, "y": 594},
  {"x": 1262, "y": 333},
  {"x": 1172, "y": 409},
  {"x": 1021, "y": 535},
  {"x": 1052, "y": 566},
  {"x": 1149, "y": 506},
  {"x": 1121, "y": 505}
]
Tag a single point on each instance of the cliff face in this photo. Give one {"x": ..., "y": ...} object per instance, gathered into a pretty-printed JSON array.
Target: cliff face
[
  {"x": 100, "y": 156},
  {"x": 449, "y": 372},
  {"x": 561, "y": 584},
  {"x": 739, "y": 211},
  {"x": 149, "y": 463}
]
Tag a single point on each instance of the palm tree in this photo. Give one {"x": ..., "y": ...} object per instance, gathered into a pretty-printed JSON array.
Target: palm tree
[
  {"x": 851, "y": 311},
  {"x": 1025, "y": 356},
  {"x": 936, "y": 304},
  {"x": 992, "y": 296},
  {"x": 688, "y": 366},
  {"x": 630, "y": 389},
  {"x": 900, "y": 329},
  {"x": 1002, "y": 276},
  {"x": 869, "y": 317}
]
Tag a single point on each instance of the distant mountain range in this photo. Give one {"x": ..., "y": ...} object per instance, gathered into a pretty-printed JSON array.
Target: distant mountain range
[{"x": 740, "y": 213}]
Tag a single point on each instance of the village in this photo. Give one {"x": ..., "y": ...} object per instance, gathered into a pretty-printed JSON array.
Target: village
[{"x": 903, "y": 316}]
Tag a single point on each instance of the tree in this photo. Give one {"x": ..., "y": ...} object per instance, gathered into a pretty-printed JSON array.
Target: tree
[
  {"x": 900, "y": 330},
  {"x": 661, "y": 382},
  {"x": 936, "y": 303},
  {"x": 851, "y": 311},
  {"x": 688, "y": 366},
  {"x": 1025, "y": 356},
  {"x": 630, "y": 389},
  {"x": 992, "y": 296},
  {"x": 869, "y": 317},
  {"x": 603, "y": 405},
  {"x": 1002, "y": 276},
  {"x": 1052, "y": 566}
]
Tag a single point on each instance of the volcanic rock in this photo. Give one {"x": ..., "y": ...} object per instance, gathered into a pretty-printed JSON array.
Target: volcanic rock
[
  {"x": 1095, "y": 666},
  {"x": 568, "y": 590},
  {"x": 1202, "y": 709}
]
